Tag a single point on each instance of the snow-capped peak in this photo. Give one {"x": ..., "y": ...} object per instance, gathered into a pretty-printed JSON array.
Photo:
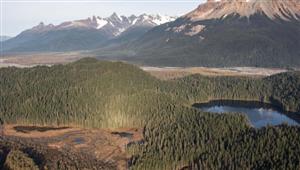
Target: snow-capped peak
[
  {"x": 153, "y": 20},
  {"x": 114, "y": 24},
  {"x": 161, "y": 19},
  {"x": 115, "y": 16},
  {"x": 101, "y": 22}
]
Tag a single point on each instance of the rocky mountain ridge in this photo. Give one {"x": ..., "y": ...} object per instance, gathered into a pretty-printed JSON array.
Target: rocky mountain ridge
[
  {"x": 115, "y": 24},
  {"x": 213, "y": 9},
  {"x": 86, "y": 34}
]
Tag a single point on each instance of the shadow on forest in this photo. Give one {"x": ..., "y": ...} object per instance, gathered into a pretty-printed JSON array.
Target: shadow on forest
[
  {"x": 123, "y": 134},
  {"x": 27, "y": 129}
]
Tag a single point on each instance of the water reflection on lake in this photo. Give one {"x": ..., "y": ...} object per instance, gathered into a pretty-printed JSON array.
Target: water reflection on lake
[{"x": 258, "y": 116}]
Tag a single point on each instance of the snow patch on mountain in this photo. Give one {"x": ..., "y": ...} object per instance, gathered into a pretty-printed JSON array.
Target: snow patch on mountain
[
  {"x": 195, "y": 30},
  {"x": 161, "y": 19},
  {"x": 178, "y": 29},
  {"x": 101, "y": 23},
  {"x": 115, "y": 24}
]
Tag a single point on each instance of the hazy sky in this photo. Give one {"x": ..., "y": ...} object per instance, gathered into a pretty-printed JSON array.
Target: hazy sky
[{"x": 18, "y": 15}]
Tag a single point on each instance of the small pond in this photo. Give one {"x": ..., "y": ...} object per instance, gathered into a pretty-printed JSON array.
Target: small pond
[
  {"x": 259, "y": 114},
  {"x": 78, "y": 141},
  {"x": 27, "y": 129},
  {"x": 123, "y": 134}
]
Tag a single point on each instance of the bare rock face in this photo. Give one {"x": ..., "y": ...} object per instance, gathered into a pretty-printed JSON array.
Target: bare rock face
[{"x": 213, "y": 9}]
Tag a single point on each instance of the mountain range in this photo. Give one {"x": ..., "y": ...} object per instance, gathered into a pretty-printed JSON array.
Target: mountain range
[
  {"x": 85, "y": 34},
  {"x": 218, "y": 33}
]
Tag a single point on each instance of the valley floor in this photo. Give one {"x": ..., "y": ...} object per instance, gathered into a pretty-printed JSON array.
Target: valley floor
[
  {"x": 34, "y": 59},
  {"x": 164, "y": 73}
]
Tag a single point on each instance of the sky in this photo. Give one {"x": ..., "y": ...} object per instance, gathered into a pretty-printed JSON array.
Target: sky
[{"x": 18, "y": 15}]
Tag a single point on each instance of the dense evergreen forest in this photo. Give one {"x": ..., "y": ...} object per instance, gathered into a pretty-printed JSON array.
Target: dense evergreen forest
[
  {"x": 187, "y": 139},
  {"x": 86, "y": 93},
  {"x": 282, "y": 90},
  {"x": 91, "y": 93}
]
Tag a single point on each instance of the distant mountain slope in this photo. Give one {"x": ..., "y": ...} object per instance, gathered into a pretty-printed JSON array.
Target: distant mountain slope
[
  {"x": 226, "y": 33},
  {"x": 84, "y": 34},
  {"x": 4, "y": 38},
  {"x": 60, "y": 40}
]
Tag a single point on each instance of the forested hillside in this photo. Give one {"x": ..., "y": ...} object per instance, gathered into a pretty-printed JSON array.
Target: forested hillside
[
  {"x": 282, "y": 90},
  {"x": 186, "y": 139},
  {"x": 91, "y": 93},
  {"x": 87, "y": 93},
  {"x": 95, "y": 93}
]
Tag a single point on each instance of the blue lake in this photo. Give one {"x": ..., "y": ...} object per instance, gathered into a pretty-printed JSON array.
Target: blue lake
[{"x": 259, "y": 114}]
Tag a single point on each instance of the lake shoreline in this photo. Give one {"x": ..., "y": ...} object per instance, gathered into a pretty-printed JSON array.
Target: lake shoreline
[{"x": 216, "y": 105}]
